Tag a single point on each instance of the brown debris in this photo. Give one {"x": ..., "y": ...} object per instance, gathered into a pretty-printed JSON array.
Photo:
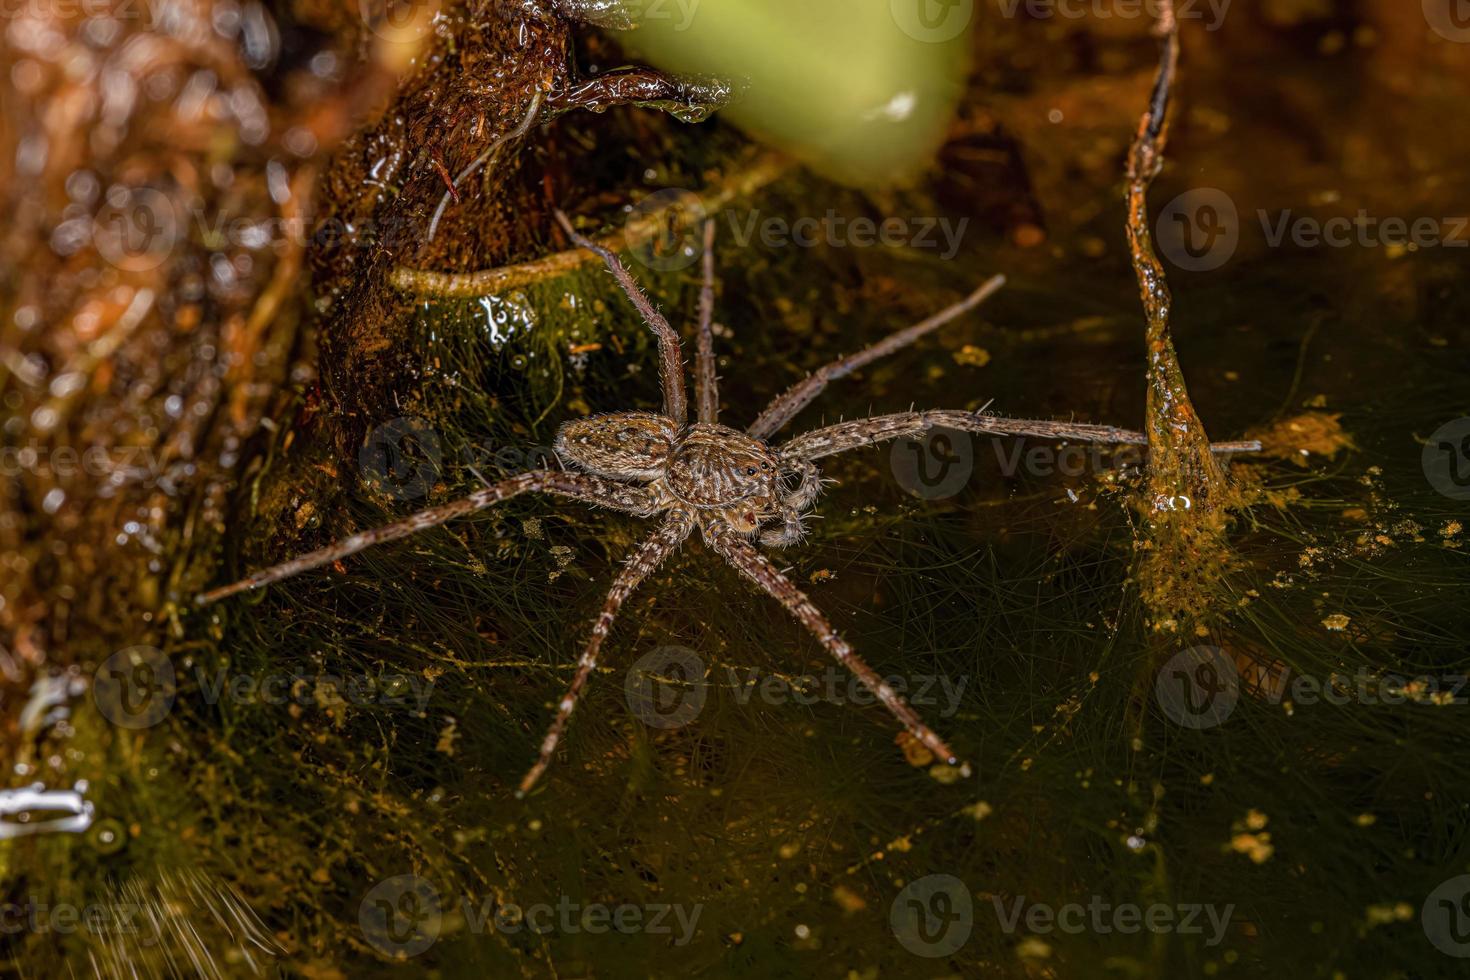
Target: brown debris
[{"x": 1300, "y": 437}]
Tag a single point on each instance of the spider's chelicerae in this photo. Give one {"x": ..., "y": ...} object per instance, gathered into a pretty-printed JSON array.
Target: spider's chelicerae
[{"x": 737, "y": 488}]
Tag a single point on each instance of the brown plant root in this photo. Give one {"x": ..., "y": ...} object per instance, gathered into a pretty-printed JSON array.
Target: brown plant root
[
  {"x": 758, "y": 173},
  {"x": 1187, "y": 493}
]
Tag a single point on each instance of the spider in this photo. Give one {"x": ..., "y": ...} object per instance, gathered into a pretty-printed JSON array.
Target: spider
[{"x": 737, "y": 488}]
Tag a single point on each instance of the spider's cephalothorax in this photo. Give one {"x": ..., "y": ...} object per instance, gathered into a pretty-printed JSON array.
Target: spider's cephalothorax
[
  {"x": 720, "y": 475},
  {"x": 727, "y": 483}
]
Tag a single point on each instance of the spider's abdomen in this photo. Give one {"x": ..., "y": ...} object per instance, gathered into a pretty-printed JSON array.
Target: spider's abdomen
[
  {"x": 715, "y": 467},
  {"x": 622, "y": 446}
]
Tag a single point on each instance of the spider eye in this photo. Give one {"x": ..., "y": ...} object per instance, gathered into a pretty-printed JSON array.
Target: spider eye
[{"x": 750, "y": 471}]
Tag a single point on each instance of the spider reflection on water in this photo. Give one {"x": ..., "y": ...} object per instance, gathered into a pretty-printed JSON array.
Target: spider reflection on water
[{"x": 736, "y": 488}]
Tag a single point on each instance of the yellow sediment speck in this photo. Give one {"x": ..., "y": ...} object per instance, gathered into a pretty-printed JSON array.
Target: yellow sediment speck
[
  {"x": 972, "y": 356},
  {"x": 945, "y": 774},
  {"x": 1257, "y": 847},
  {"x": 848, "y": 900},
  {"x": 1032, "y": 948},
  {"x": 979, "y": 809}
]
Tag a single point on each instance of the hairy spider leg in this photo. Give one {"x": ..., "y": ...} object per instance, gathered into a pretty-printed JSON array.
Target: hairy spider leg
[
  {"x": 671, "y": 356},
  {"x": 853, "y": 434},
  {"x": 768, "y": 578},
  {"x": 706, "y": 385},
  {"x": 579, "y": 486},
  {"x": 664, "y": 542},
  {"x": 785, "y": 405}
]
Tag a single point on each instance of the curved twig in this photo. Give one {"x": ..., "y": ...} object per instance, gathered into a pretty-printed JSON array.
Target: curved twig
[{"x": 468, "y": 285}]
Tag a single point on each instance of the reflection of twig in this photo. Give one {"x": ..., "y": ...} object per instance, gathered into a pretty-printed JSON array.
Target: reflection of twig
[
  {"x": 759, "y": 173},
  {"x": 1180, "y": 462}
]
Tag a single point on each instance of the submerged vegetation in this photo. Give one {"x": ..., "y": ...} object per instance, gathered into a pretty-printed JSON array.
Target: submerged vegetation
[{"x": 328, "y": 789}]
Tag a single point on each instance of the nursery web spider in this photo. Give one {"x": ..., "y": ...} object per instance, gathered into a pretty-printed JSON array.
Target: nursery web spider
[{"x": 737, "y": 488}]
